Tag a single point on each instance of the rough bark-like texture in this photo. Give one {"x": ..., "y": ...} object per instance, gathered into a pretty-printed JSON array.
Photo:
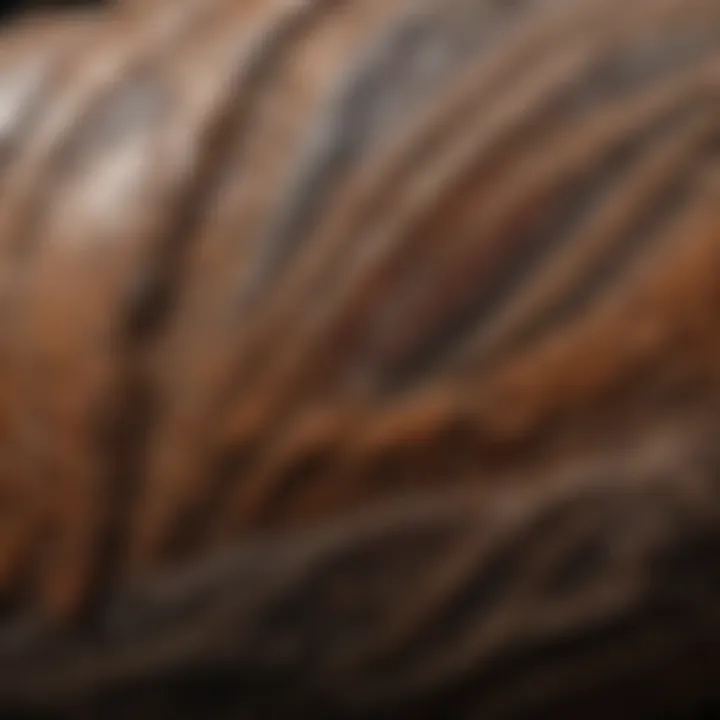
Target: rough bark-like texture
[{"x": 360, "y": 359}]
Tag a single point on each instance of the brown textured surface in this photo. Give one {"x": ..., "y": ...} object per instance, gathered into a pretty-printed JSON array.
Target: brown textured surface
[{"x": 361, "y": 359}]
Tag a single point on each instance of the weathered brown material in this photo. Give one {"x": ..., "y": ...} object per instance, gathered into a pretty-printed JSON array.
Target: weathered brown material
[{"x": 361, "y": 359}]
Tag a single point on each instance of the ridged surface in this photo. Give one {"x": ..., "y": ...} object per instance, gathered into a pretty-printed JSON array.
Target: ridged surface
[{"x": 409, "y": 308}]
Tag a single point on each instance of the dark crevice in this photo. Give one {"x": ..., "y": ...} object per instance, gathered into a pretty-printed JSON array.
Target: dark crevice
[{"x": 12, "y": 9}]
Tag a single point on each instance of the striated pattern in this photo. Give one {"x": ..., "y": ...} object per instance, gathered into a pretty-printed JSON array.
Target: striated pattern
[{"x": 360, "y": 358}]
